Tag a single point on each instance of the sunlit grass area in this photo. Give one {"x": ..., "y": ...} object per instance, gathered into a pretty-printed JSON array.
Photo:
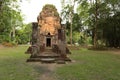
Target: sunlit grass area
[{"x": 91, "y": 65}]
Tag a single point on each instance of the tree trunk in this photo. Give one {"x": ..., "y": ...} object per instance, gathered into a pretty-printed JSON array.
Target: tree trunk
[
  {"x": 10, "y": 35},
  {"x": 71, "y": 19},
  {"x": 96, "y": 22},
  {"x": 71, "y": 33},
  {"x": 13, "y": 30}
]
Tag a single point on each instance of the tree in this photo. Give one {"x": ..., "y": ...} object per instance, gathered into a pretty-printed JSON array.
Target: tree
[
  {"x": 107, "y": 28},
  {"x": 96, "y": 22},
  {"x": 23, "y": 36},
  {"x": 68, "y": 14},
  {"x": 94, "y": 15},
  {"x": 10, "y": 19},
  {"x": 86, "y": 23}
]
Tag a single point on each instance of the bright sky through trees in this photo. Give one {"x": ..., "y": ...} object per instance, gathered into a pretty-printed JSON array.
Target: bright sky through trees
[{"x": 32, "y": 8}]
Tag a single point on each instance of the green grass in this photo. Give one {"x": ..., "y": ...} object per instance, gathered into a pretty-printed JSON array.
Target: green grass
[
  {"x": 86, "y": 65},
  {"x": 13, "y": 64},
  {"x": 91, "y": 65}
]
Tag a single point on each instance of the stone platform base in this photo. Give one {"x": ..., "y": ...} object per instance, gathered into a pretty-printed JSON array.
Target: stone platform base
[{"x": 48, "y": 58}]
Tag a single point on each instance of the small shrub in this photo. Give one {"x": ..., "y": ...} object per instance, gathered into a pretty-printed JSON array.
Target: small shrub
[
  {"x": 73, "y": 47},
  {"x": 97, "y": 48},
  {"x": 8, "y": 44}
]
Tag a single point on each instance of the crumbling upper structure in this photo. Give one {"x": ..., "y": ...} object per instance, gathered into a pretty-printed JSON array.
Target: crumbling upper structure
[{"x": 49, "y": 20}]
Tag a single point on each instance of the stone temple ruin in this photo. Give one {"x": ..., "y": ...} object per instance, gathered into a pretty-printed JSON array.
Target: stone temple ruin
[{"x": 48, "y": 42}]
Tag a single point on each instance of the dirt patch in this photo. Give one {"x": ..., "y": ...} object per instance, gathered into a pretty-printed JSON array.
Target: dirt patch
[
  {"x": 116, "y": 52},
  {"x": 1, "y": 46},
  {"x": 46, "y": 71}
]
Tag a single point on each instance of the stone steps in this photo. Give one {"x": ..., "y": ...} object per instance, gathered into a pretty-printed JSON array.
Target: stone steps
[
  {"x": 46, "y": 60},
  {"x": 47, "y": 57},
  {"x": 43, "y": 60}
]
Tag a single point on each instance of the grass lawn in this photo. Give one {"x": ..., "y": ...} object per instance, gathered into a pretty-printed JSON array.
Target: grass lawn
[
  {"x": 13, "y": 64},
  {"x": 85, "y": 65},
  {"x": 91, "y": 65}
]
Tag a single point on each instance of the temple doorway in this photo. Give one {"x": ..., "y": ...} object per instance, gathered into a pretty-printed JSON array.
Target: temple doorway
[{"x": 48, "y": 42}]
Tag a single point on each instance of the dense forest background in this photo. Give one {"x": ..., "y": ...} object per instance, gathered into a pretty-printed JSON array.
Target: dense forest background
[
  {"x": 88, "y": 22},
  {"x": 12, "y": 29}
]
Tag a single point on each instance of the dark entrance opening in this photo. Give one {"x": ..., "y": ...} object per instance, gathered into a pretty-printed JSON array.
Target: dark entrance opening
[{"x": 48, "y": 42}]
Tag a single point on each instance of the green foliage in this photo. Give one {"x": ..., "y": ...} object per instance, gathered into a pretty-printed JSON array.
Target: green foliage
[
  {"x": 107, "y": 25},
  {"x": 23, "y": 36},
  {"x": 77, "y": 24},
  {"x": 83, "y": 9},
  {"x": 67, "y": 15},
  {"x": 10, "y": 19},
  {"x": 76, "y": 37},
  {"x": 110, "y": 32}
]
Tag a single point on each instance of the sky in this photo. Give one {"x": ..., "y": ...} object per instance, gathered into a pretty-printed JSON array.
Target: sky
[{"x": 31, "y": 9}]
